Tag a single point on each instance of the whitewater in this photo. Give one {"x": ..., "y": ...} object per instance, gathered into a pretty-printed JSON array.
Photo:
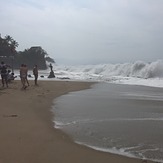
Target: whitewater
[{"x": 137, "y": 73}]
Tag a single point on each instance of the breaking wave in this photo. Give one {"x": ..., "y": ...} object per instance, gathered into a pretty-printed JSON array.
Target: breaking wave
[{"x": 137, "y": 69}]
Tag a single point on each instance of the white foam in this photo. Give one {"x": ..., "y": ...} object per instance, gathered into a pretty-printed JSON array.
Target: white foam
[
  {"x": 121, "y": 151},
  {"x": 60, "y": 125},
  {"x": 74, "y": 122},
  {"x": 137, "y": 73},
  {"x": 111, "y": 150}
]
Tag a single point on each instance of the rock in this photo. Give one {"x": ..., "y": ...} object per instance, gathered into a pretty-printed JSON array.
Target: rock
[
  {"x": 29, "y": 75},
  {"x": 51, "y": 75}
]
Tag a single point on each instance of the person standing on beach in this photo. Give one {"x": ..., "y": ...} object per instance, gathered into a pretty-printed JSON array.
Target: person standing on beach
[
  {"x": 3, "y": 68},
  {"x": 26, "y": 69},
  {"x": 35, "y": 73},
  {"x": 23, "y": 75}
]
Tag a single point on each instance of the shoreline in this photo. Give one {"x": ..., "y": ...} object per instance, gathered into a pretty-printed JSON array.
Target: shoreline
[{"x": 28, "y": 133}]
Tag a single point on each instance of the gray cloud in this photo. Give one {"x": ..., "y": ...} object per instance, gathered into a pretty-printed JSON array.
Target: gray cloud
[{"x": 87, "y": 31}]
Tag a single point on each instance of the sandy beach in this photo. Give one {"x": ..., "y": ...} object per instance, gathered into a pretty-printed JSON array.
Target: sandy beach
[{"x": 27, "y": 133}]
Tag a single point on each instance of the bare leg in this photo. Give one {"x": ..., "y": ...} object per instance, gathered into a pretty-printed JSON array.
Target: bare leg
[
  {"x": 36, "y": 76},
  {"x": 27, "y": 81},
  {"x": 3, "y": 78},
  {"x": 6, "y": 81},
  {"x": 23, "y": 82},
  {"x": 3, "y": 82}
]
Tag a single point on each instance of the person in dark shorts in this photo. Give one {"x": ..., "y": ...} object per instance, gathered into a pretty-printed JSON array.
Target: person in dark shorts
[
  {"x": 35, "y": 73},
  {"x": 4, "y": 73}
]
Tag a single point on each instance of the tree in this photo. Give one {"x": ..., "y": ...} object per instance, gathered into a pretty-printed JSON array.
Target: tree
[
  {"x": 7, "y": 46},
  {"x": 32, "y": 56},
  {"x": 14, "y": 44},
  {"x": 9, "y": 39}
]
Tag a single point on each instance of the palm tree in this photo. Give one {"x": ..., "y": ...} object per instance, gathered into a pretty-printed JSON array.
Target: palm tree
[
  {"x": 13, "y": 45},
  {"x": 8, "y": 38}
]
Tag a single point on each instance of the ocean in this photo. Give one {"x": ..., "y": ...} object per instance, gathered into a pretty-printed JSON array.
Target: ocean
[
  {"x": 121, "y": 119},
  {"x": 122, "y": 114},
  {"x": 137, "y": 73}
]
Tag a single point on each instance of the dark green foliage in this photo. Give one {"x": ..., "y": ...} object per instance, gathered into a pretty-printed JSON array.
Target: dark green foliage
[
  {"x": 7, "y": 46},
  {"x": 30, "y": 57}
]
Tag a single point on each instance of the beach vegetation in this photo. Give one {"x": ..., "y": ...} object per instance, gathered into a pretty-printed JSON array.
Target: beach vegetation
[{"x": 32, "y": 56}]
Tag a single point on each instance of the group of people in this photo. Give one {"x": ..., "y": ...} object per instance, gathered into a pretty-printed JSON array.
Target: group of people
[
  {"x": 24, "y": 75},
  {"x": 7, "y": 76}
]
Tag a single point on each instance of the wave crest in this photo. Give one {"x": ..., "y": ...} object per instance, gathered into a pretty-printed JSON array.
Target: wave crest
[{"x": 138, "y": 69}]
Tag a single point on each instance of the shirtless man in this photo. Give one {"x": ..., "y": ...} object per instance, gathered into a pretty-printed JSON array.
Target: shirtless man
[
  {"x": 23, "y": 75},
  {"x": 25, "y": 67}
]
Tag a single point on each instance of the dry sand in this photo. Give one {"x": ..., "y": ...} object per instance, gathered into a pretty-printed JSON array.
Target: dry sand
[{"x": 27, "y": 133}]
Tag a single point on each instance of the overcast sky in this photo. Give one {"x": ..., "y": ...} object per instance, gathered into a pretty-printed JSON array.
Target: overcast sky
[{"x": 87, "y": 31}]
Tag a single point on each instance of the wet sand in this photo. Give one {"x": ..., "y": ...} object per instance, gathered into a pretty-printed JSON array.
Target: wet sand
[{"x": 27, "y": 133}]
